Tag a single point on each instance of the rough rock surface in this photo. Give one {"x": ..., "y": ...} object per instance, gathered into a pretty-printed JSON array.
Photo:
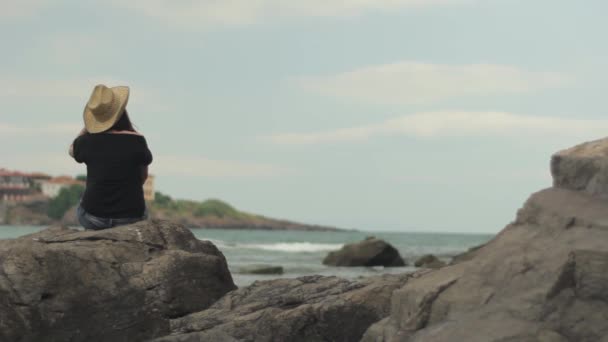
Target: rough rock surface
[
  {"x": 582, "y": 168},
  {"x": 429, "y": 261},
  {"x": 313, "y": 308},
  {"x": 26, "y": 213},
  {"x": 120, "y": 284},
  {"x": 543, "y": 278},
  {"x": 465, "y": 256},
  {"x": 369, "y": 252}
]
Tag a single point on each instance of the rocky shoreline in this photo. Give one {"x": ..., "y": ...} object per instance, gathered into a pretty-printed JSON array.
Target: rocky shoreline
[{"x": 543, "y": 278}]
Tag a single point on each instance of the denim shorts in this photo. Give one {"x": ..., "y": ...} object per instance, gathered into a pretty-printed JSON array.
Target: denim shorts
[{"x": 89, "y": 221}]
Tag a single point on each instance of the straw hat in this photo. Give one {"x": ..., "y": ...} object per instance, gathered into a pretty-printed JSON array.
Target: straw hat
[{"x": 105, "y": 107}]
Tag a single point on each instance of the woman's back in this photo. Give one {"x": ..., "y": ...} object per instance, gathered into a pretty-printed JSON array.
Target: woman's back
[{"x": 115, "y": 173}]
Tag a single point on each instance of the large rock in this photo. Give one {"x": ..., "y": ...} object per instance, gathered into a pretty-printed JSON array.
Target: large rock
[
  {"x": 429, "y": 261},
  {"x": 582, "y": 168},
  {"x": 70, "y": 219},
  {"x": 312, "y": 308},
  {"x": 32, "y": 213},
  {"x": 369, "y": 252},
  {"x": 3, "y": 211},
  {"x": 542, "y": 278},
  {"x": 120, "y": 284}
]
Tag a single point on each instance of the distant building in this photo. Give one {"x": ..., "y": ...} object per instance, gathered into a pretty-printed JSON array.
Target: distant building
[
  {"x": 52, "y": 187},
  {"x": 38, "y": 177},
  {"x": 149, "y": 188},
  {"x": 14, "y": 186}
]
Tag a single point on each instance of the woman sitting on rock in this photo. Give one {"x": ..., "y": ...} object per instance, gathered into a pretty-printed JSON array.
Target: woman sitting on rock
[{"x": 117, "y": 159}]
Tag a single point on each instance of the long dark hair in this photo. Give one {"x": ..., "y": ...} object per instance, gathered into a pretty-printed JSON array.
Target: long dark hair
[{"x": 124, "y": 123}]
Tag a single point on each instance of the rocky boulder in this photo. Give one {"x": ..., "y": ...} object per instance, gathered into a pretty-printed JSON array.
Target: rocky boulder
[
  {"x": 429, "y": 261},
  {"x": 32, "y": 213},
  {"x": 582, "y": 168},
  {"x": 369, "y": 252},
  {"x": 69, "y": 218},
  {"x": 542, "y": 278},
  {"x": 120, "y": 284},
  {"x": 313, "y": 308}
]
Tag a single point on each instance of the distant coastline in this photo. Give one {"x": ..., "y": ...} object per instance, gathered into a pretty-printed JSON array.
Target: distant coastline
[
  {"x": 39, "y": 199},
  {"x": 209, "y": 214}
]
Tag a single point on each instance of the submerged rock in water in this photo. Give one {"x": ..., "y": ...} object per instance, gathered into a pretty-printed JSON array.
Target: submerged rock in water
[
  {"x": 542, "y": 278},
  {"x": 120, "y": 284},
  {"x": 429, "y": 261},
  {"x": 313, "y": 308},
  {"x": 369, "y": 252},
  {"x": 261, "y": 269}
]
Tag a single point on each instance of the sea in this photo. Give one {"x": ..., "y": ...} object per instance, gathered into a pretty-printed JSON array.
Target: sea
[{"x": 301, "y": 253}]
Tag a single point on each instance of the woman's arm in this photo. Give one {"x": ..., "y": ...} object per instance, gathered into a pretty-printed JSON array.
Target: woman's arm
[
  {"x": 71, "y": 150},
  {"x": 144, "y": 174}
]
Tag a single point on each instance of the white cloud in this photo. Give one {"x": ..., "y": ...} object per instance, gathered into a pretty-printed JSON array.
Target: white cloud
[
  {"x": 213, "y": 13},
  {"x": 78, "y": 48},
  {"x": 163, "y": 165},
  {"x": 13, "y": 87},
  {"x": 169, "y": 165},
  {"x": 454, "y": 124},
  {"x": 21, "y": 8},
  {"x": 409, "y": 82},
  {"x": 477, "y": 175},
  {"x": 44, "y": 87},
  {"x": 38, "y": 130},
  {"x": 51, "y": 163},
  {"x": 75, "y": 92}
]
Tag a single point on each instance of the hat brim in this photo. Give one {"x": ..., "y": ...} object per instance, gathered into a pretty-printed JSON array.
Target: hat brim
[{"x": 93, "y": 125}]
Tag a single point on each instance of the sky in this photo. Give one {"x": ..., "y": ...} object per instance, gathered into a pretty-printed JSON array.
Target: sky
[{"x": 385, "y": 115}]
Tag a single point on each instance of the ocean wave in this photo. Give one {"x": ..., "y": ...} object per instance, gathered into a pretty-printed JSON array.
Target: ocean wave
[
  {"x": 289, "y": 247},
  {"x": 220, "y": 243},
  {"x": 292, "y": 247},
  {"x": 408, "y": 252}
]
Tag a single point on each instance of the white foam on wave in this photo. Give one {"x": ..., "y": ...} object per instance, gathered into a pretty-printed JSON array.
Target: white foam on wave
[
  {"x": 219, "y": 243},
  {"x": 293, "y": 247}
]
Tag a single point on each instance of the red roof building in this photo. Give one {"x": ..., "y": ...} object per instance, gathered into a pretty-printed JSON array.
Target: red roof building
[{"x": 15, "y": 186}]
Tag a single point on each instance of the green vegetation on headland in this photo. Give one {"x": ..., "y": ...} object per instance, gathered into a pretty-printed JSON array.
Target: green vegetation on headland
[
  {"x": 67, "y": 198},
  {"x": 214, "y": 213},
  {"x": 210, "y": 207},
  {"x": 211, "y": 213}
]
